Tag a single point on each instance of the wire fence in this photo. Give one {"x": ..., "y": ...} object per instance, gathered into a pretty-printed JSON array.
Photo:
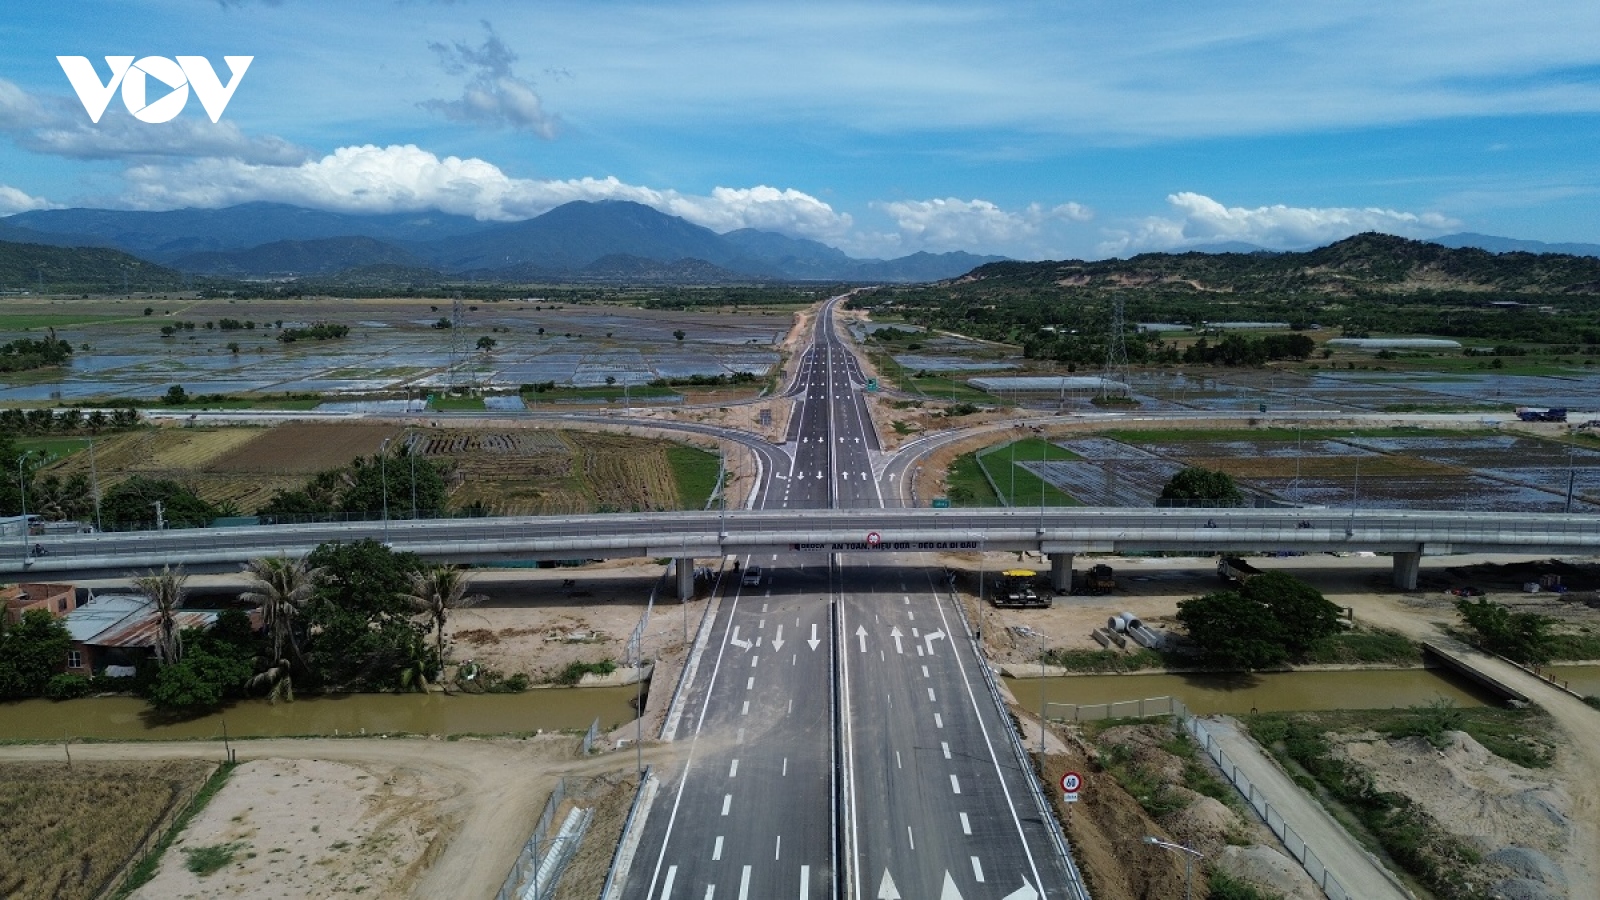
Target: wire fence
[
  {"x": 525, "y": 871},
  {"x": 589, "y": 738},
  {"x": 1274, "y": 820}
]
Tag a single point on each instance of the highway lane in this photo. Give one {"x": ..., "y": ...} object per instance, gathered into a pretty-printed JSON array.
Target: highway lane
[{"x": 751, "y": 812}]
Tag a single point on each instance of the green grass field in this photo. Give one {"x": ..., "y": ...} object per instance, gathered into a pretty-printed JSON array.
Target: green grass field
[
  {"x": 1004, "y": 465},
  {"x": 695, "y": 472},
  {"x": 54, "y": 447},
  {"x": 457, "y": 404},
  {"x": 967, "y": 486},
  {"x": 28, "y": 321},
  {"x": 606, "y": 394},
  {"x": 1178, "y": 436}
]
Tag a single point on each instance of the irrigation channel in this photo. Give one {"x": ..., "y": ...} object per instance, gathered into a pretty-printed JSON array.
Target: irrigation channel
[
  {"x": 1206, "y": 694},
  {"x": 131, "y": 719}
]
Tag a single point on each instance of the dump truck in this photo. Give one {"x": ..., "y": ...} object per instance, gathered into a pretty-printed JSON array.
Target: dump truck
[
  {"x": 1099, "y": 579},
  {"x": 1232, "y": 568},
  {"x": 1014, "y": 590},
  {"x": 1542, "y": 414}
]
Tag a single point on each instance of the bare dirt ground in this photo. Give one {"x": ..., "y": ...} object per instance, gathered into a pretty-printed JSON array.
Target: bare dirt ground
[{"x": 441, "y": 819}]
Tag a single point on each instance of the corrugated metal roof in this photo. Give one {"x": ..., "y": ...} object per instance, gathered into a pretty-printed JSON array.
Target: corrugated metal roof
[
  {"x": 141, "y": 630},
  {"x": 101, "y": 613}
]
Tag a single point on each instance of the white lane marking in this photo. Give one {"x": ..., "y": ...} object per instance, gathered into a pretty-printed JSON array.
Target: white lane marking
[
  {"x": 785, "y": 766},
  {"x": 666, "y": 888},
  {"x": 777, "y": 850},
  {"x": 739, "y": 736},
  {"x": 750, "y": 683},
  {"x": 791, "y": 707},
  {"x": 911, "y": 838},
  {"x": 966, "y": 826},
  {"x": 711, "y": 891},
  {"x": 733, "y": 769},
  {"x": 977, "y": 869},
  {"x": 754, "y": 660},
  {"x": 919, "y": 649},
  {"x": 930, "y": 695},
  {"x": 727, "y": 800},
  {"x": 761, "y": 623},
  {"x": 925, "y": 672},
  {"x": 744, "y": 884},
  {"x": 882, "y": 656},
  {"x": 805, "y": 881},
  {"x": 758, "y": 640},
  {"x": 795, "y": 661},
  {"x": 914, "y": 633},
  {"x": 955, "y": 788},
  {"x": 897, "y": 763},
  {"x": 716, "y": 851},
  {"x": 911, "y": 615},
  {"x": 746, "y": 710},
  {"x": 946, "y": 748},
  {"x": 938, "y": 721}
]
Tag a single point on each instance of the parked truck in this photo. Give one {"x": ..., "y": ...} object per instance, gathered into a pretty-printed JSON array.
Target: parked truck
[
  {"x": 1232, "y": 568},
  {"x": 1015, "y": 590},
  {"x": 1542, "y": 414},
  {"x": 1100, "y": 579}
]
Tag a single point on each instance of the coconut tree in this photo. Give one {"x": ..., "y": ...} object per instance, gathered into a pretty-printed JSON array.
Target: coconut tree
[
  {"x": 280, "y": 588},
  {"x": 165, "y": 590},
  {"x": 435, "y": 592}
]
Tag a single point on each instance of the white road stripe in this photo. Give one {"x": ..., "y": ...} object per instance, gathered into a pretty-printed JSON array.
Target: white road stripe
[
  {"x": 955, "y": 787},
  {"x": 733, "y": 769},
  {"x": 931, "y": 698},
  {"x": 946, "y": 748},
  {"x": 746, "y": 710},
  {"x": 666, "y": 889},
  {"x": 777, "y": 850},
  {"x": 786, "y": 766},
  {"x": 744, "y": 884},
  {"x": 977, "y": 869},
  {"x": 754, "y": 660},
  {"x": 711, "y": 891},
  {"x": 727, "y": 799},
  {"x": 716, "y": 851},
  {"x": 966, "y": 827},
  {"x": 938, "y": 721},
  {"x": 750, "y": 683},
  {"x": 911, "y": 838},
  {"x": 925, "y": 672},
  {"x": 805, "y": 881},
  {"x": 897, "y": 763}
]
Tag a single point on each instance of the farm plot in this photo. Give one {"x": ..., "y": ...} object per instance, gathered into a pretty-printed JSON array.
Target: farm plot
[
  {"x": 65, "y": 833},
  {"x": 303, "y": 449}
]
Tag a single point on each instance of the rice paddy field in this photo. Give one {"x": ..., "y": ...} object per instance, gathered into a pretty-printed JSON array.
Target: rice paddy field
[
  {"x": 1482, "y": 471},
  {"x": 510, "y": 472}
]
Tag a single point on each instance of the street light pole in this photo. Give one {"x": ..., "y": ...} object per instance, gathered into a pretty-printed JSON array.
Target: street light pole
[
  {"x": 383, "y": 475},
  {"x": 22, "y": 486},
  {"x": 411, "y": 452},
  {"x": 1190, "y": 856},
  {"x": 94, "y": 476}
]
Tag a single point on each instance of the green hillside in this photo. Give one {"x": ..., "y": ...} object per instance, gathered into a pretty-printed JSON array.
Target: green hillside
[{"x": 92, "y": 270}]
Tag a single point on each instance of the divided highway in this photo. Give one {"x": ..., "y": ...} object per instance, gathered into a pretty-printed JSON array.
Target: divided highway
[{"x": 841, "y": 739}]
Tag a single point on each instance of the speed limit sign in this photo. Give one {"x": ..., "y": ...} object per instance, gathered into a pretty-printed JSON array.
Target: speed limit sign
[{"x": 1070, "y": 783}]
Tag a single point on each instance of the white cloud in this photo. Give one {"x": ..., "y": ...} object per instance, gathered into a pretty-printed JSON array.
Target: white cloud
[
  {"x": 1202, "y": 220},
  {"x": 494, "y": 95},
  {"x": 376, "y": 179},
  {"x": 15, "y": 201},
  {"x": 953, "y": 224}
]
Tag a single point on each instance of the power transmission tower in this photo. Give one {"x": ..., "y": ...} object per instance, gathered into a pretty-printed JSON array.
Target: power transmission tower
[
  {"x": 1114, "y": 377},
  {"x": 457, "y": 357}
]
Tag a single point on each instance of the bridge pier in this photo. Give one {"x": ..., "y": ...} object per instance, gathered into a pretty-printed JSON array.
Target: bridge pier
[
  {"x": 685, "y": 578},
  {"x": 1061, "y": 572},
  {"x": 1406, "y": 568}
]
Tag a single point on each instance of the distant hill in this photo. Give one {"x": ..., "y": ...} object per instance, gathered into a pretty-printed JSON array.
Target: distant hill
[
  {"x": 316, "y": 257},
  {"x": 256, "y": 240},
  {"x": 80, "y": 269},
  {"x": 1513, "y": 245}
]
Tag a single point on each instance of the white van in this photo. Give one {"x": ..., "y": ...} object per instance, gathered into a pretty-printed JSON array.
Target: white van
[{"x": 752, "y": 576}]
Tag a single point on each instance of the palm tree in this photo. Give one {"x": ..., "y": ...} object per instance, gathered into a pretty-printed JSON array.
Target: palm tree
[
  {"x": 165, "y": 590},
  {"x": 436, "y": 591},
  {"x": 280, "y": 588}
]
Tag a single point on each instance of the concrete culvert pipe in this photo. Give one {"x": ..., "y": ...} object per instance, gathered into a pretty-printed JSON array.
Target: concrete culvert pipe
[{"x": 1130, "y": 621}]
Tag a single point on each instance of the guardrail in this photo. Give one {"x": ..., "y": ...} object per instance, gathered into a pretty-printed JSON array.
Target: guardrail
[{"x": 1274, "y": 820}]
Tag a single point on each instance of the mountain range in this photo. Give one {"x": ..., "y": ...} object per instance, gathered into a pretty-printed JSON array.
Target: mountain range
[{"x": 601, "y": 240}]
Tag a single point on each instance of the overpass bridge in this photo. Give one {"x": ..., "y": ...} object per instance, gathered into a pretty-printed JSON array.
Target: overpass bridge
[{"x": 1056, "y": 532}]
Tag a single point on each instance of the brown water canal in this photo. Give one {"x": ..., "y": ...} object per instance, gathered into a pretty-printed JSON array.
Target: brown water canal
[
  {"x": 1583, "y": 679},
  {"x": 1268, "y": 692},
  {"x": 128, "y": 718}
]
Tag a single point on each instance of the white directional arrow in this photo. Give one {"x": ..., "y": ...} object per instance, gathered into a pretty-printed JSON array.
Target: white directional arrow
[
  {"x": 861, "y": 635},
  {"x": 950, "y": 892},
  {"x": 814, "y": 641},
  {"x": 742, "y": 645},
  {"x": 930, "y": 637},
  {"x": 1026, "y": 892},
  {"x": 886, "y": 888},
  {"x": 897, "y": 634},
  {"x": 777, "y": 642}
]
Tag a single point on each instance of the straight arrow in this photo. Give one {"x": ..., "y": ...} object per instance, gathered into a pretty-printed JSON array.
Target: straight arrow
[
  {"x": 886, "y": 888},
  {"x": 930, "y": 637},
  {"x": 861, "y": 635},
  {"x": 814, "y": 641},
  {"x": 777, "y": 642},
  {"x": 897, "y": 634}
]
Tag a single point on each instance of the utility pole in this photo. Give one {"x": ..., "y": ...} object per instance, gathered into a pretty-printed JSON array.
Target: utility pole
[
  {"x": 383, "y": 474},
  {"x": 161, "y": 522},
  {"x": 94, "y": 477}
]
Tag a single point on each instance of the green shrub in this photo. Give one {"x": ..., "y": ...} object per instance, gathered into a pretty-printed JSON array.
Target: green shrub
[
  {"x": 1222, "y": 886},
  {"x": 67, "y": 686},
  {"x": 575, "y": 672},
  {"x": 203, "y": 861}
]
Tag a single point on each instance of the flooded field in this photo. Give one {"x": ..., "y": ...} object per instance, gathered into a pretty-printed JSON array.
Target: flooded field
[
  {"x": 1471, "y": 471},
  {"x": 131, "y": 719},
  {"x": 393, "y": 345}
]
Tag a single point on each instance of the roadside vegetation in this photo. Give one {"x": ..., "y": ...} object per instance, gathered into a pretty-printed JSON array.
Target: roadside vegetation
[
  {"x": 1524, "y": 637},
  {"x": 1019, "y": 486},
  {"x": 1269, "y": 620}
]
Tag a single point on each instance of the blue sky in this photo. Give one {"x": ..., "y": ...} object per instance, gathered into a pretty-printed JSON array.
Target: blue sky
[{"x": 1030, "y": 129}]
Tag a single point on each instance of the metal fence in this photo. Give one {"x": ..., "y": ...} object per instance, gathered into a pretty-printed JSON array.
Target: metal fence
[
  {"x": 1121, "y": 709},
  {"x": 615, "y": 876},
  {"x": 524, "y": 872},
  {"x": 1292, "y": 841},
  {"x": 589, "y": 737}
]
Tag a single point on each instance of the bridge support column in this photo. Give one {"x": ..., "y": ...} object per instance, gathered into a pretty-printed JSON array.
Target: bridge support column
[
  {"x": 1406, "y": 568},
  {"x": 1061, "y": 572},
  {"x": 685, "y": 578}
]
